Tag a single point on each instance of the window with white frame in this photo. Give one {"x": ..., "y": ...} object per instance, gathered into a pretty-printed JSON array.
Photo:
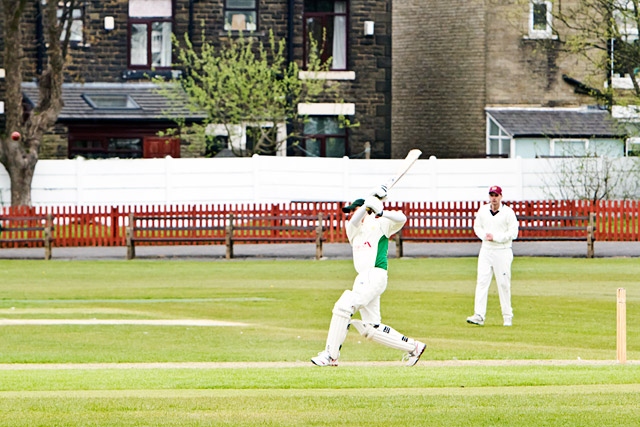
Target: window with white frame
[
  {"x": 633, "y": 147},
  {"x": 540, "y": 19},
  {"x": 150, "y": 34},
  {"x": 264, "y": 138},
  {"x": 625, "y": 19},
  {"x": 240, "y": 15},
  {"x": 325, "y": 24},
  {"x": 498, "y": 140},
  {"x": 624, "y": 50},
  {"x": 75, "y": 16}
]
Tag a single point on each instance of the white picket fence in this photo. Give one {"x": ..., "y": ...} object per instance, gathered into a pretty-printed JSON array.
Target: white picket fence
[{"x": 262, "y": 179}]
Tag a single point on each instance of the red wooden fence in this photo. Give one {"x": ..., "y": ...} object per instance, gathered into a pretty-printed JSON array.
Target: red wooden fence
[{"x": 105, "y": 225}]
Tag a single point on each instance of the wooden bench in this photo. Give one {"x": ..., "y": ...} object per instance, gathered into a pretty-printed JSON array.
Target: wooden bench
[
  {"x": 559, "y": 228},
  {"x": 224, "y": 229},
  {"x": 180, "y": 228},
  {"x": 277, "y": 229},
  {"x": 452, "y": 228},
  {"x": 17, "y": 229}
]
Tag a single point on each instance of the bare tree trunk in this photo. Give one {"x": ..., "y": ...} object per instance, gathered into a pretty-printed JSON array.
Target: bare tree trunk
[
  {"x": 21, "y": 178},
  {"x": 19, "y": 157}
]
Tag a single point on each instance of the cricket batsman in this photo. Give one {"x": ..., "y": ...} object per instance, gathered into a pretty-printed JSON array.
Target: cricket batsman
[{"x": 368, "y": 229}]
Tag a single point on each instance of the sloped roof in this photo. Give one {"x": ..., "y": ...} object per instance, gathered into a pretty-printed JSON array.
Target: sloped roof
[
  {"x": 152, "y": 104},
  {"x": 557, "y": 122}
]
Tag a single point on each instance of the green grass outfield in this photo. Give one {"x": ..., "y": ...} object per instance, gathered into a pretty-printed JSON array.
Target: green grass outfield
[{"x": 62, "y": 365}]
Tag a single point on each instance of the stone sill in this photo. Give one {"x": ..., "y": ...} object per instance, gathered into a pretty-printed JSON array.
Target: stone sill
[{"x": 327, "y": 75}]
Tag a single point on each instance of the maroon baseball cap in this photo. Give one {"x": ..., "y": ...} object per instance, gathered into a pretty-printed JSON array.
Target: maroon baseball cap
[{"x": 495, "y": 189}]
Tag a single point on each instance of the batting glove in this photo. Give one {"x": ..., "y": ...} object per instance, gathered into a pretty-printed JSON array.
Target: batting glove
[
  {"x": 380, "y": 192},
  {"x": 373, "y": 204}
]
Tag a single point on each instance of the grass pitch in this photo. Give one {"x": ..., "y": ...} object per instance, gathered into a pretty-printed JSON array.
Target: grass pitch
[{"x": 564, "y": 311}]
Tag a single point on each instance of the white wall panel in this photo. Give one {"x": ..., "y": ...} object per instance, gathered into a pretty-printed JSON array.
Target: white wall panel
[{"x": 263, "y": 179}]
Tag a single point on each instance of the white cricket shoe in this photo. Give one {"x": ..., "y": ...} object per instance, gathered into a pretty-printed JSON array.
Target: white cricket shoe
[
  {"x": 324, "y": 359},
  {"x": 413, "y": 357},
  {"x": 476, "y": 319},
  {"x": 508, "y": 321}
]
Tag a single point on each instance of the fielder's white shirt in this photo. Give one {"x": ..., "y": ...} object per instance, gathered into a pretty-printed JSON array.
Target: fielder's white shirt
[
  {"x": 369, "y": 237},
  {"x": 503, "y": 226}
]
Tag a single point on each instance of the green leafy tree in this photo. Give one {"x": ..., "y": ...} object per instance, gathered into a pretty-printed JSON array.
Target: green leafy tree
[
  {"x": 247, "y": 85},
  {"x": 19, "y": 157}
]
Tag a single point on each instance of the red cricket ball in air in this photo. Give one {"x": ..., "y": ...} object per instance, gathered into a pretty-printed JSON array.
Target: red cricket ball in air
[{"x": 15, "y": 136}]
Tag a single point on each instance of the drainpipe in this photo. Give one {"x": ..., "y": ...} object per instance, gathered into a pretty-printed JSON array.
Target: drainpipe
[
  {"x": 190, "y": 29},
  {"x": 40, "y": 50},
  {"x": 290, "y": 32}
]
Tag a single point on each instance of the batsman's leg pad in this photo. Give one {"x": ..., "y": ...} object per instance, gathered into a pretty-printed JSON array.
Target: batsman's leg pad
[
  {"x": 346, "y": 304},
  {"x": 384, "y": 335},
  {"x": 343, "y": 309}
]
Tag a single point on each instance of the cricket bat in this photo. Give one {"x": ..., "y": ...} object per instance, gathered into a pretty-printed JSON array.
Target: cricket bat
[{"x": 404, "y": 167}]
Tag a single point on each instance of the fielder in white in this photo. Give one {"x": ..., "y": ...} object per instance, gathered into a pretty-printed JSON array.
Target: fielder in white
[
  {"x": 497, "y": 226},
  {"x": 368, "y": 230}
]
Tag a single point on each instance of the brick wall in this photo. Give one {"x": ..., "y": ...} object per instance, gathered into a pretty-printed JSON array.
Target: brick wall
[
  {"x": 438, "y": 77},
  {"x": 522, "y": 71},
  {"x": 451, "y": 59}
]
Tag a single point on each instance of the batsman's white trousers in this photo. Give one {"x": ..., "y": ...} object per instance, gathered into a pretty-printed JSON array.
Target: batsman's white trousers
[
  {"x": 367, "y": 287},
  {"x": 496, "y": 262},
  {"x": 365, "y": 298}
]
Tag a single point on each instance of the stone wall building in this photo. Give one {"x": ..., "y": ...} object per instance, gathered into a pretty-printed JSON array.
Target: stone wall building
[
  {"x": 118, "y": 44},
  {"x": 454, "y": 60}
]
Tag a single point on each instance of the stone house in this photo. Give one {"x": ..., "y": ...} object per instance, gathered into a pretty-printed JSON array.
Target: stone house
[
  {"x": 473, "y": 78},
  {"x": 112, "y": 109}
]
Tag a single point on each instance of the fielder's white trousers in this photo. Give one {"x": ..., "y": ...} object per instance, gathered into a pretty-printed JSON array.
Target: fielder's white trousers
[{"x": 494, "y": 262}]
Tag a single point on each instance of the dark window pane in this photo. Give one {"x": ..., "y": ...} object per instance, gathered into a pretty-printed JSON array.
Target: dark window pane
[
  {"x": 335, "y": 147},
  {"x": 323, "y": 125},
  {"x": 325, "y": 137},
  {"x": 126, "y": 148},
  {"x": 540, "y": 16},
  {"x": 86, "y": 144},
  {"x": 241, "y": 4},
  {"x": 134, "y": 144},
  {"x": 312, "y": 147},
  {"x": 318, "y": 6}
]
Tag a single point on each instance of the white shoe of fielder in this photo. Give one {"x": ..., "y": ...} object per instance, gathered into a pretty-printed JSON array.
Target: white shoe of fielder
[
  {"x": 508, "y": 321},
  {"x": 324, "y": 359},
  {"x": 413, "y": 357},
  {"x": 476, "y": 319}
]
